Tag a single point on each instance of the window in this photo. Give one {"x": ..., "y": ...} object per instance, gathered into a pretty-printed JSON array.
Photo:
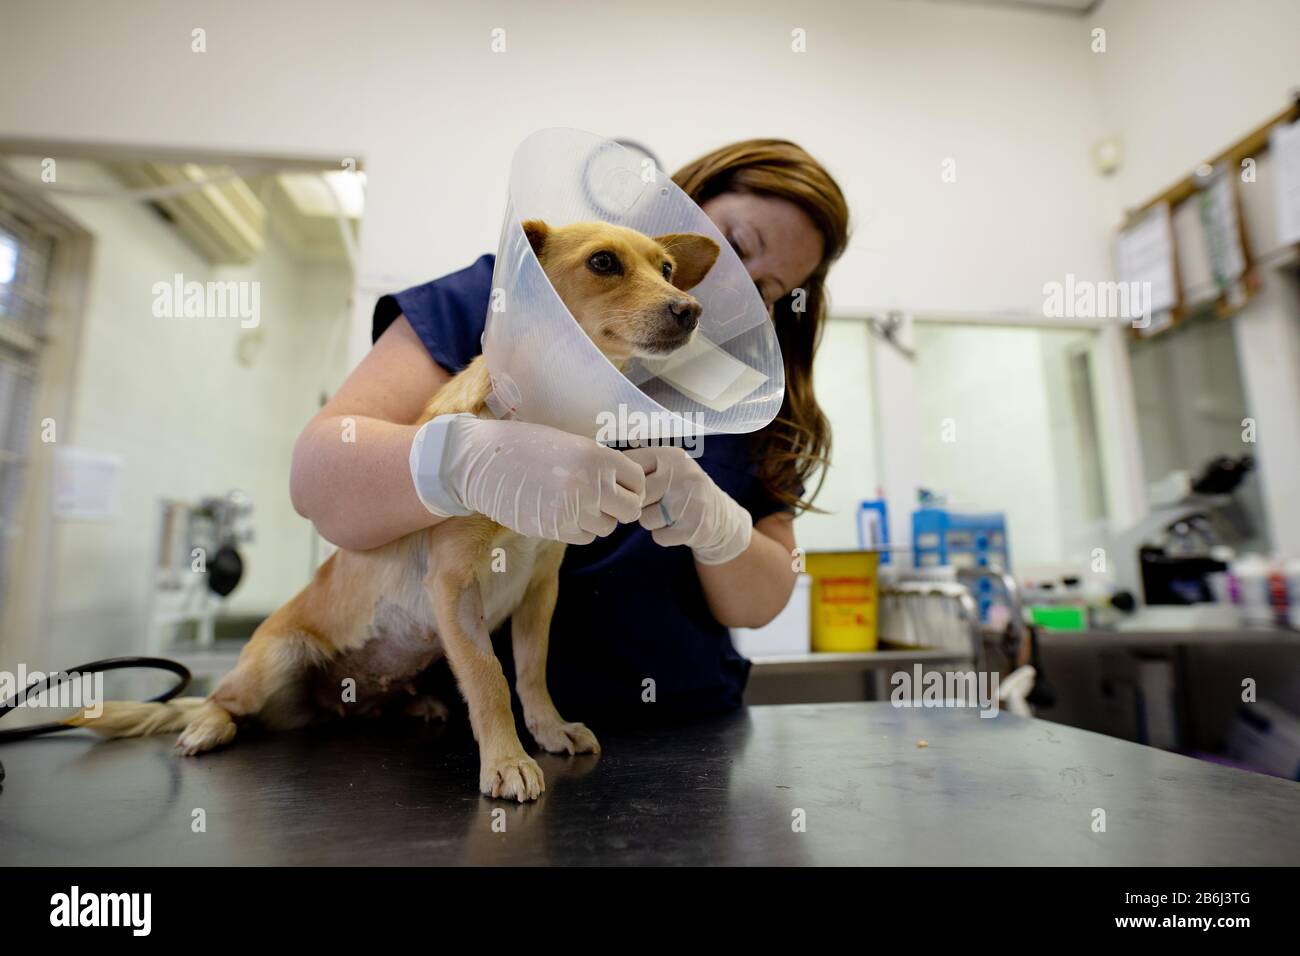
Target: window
[
  {"x": 8, "y": 259},
  {"x": 24, "y": 267},
  {"x": 1191, "y": 404},
  {"x": 1008, "y": 424}
]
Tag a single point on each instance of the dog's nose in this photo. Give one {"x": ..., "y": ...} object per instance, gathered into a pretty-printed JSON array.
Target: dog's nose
[{"x": 685, "y": 312}]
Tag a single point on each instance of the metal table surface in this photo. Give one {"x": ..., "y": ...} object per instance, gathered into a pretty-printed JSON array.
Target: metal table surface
[{"x": 1005, "y": 790}]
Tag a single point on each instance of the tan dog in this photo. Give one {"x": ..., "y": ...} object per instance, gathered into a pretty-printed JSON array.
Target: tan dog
[{"x": 381, "y": 617}]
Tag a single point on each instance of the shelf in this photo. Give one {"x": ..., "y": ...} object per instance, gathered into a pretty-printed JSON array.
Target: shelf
[
  {"x": 1166, "y": 637},
  {"x": 814, "y": 663}
]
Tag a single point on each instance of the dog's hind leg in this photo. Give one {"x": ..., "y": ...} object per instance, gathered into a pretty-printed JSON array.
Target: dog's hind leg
[
  {"x": 267, "y": 685},
  {"x": 426, "y": 707},
  {"x": 505, "y": 770},
  {"x": 211, "y": 727},
  {"x": 530, "y": 630}
]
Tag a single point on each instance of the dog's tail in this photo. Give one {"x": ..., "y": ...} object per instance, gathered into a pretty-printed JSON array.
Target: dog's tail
[{"x": 125, "y": 718}]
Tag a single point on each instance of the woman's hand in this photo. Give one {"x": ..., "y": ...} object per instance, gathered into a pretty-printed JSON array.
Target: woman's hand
[
  {"x": 535, "y": 480},
  {"x": 682, "y": 505},
  {"x": 746, "y": 573}
]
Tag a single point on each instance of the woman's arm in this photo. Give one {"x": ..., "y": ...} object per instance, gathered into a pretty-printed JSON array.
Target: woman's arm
[
  {"x": 754, "y": 587},
  {"x": 354, "y": 468},
  {"x": 358, "y": 493},
  {"x": 746, "y": 569}
]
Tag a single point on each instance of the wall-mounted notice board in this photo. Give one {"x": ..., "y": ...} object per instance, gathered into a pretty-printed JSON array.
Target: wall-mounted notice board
[{"x": 1210, "y": 214}]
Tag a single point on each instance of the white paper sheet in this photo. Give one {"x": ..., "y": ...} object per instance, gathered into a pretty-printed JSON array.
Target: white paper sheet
[
  {"x": 1284, "y": 143},
  {"x": 1218, "y": 211},
  {"x": 1144, "y": 253},
  {"x": 86, "y": 484}
]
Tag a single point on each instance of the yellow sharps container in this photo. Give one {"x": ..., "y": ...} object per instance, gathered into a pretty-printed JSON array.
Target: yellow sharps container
[{"x": 844, "y": 601}]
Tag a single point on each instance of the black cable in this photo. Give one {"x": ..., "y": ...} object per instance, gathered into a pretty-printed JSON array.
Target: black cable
[{"x": 94, "y": 667}]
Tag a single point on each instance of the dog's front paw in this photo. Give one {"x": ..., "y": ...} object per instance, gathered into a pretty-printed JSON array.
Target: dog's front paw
[
  {"x": 562, "y": 738},
  {"x": 512, "y": 778}
]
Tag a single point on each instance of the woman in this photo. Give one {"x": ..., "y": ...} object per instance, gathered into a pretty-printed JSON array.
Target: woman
[{"x": 640, "y": 631}]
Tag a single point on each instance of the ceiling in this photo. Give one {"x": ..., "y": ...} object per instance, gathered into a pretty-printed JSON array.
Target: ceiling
[{"x": 1071, "y": 7}]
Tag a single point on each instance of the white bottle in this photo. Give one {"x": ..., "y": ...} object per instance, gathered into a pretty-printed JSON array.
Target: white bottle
[
  {"x": 1223, "y": 587},
  {"x": 1251, "y": 572}
]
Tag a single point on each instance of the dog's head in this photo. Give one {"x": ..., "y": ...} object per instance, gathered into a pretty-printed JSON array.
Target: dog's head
[{"x": 626, "y": 290}]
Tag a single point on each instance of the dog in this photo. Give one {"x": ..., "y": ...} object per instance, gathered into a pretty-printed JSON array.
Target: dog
[{"x": 369, "y": 623}]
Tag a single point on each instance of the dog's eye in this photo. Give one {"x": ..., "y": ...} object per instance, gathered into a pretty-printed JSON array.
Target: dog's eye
[
  {"x": 667, "y": 270},
  {"x": 605, "y": 264}
]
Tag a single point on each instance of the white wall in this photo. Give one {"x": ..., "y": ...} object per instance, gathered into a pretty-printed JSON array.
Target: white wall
[
  {"x": 1181, "y": 80},
  {"x": 886, "y": 91},
  {"x": 842, "y": 377},
  {"x": 168, "y": 396}
]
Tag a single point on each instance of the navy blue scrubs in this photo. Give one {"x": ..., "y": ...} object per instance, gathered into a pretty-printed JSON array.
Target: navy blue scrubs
[{"x": 628, "y": 610}]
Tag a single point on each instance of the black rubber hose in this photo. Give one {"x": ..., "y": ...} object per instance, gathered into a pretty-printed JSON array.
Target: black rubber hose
[{"x": 94, "y": 667}]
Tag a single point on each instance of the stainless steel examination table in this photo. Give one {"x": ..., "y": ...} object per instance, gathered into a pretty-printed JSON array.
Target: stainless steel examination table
[{"x": 1005, "y": 790}]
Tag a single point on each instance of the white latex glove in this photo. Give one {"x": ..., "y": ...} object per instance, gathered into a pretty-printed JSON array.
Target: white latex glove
[
  {"x": 682, "y": 505},
  {"x": 538, "y": 481}
]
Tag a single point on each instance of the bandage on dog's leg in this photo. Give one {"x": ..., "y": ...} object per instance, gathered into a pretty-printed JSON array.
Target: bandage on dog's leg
[
  {"x": 529, "y": 633},
  {"x": 505, "y": 770}
]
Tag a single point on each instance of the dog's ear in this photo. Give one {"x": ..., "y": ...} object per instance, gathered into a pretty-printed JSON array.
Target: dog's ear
[
  {"x": 694, "y": 255},
  {"x": 536, "y": 231}
]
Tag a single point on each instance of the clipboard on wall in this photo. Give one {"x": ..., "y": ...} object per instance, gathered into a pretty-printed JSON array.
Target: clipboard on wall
[
  {"x": 1223, "y": 224},
  {"x": 1146, "y": 260},
  {"x": 1225, "y": 200},
  {"x": 1284, "y": 143}
]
